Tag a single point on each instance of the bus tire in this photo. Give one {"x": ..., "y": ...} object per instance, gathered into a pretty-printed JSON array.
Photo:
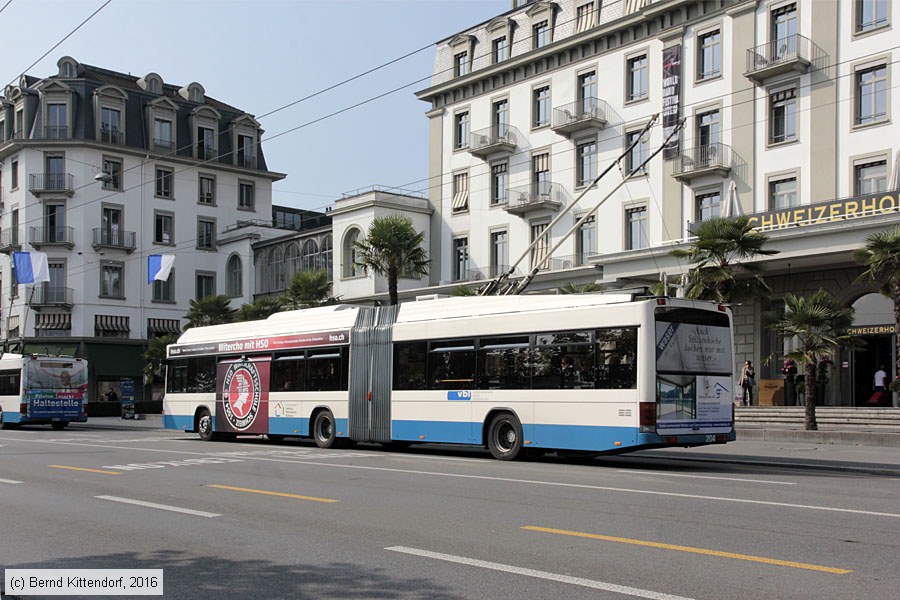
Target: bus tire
[
  {"x": 205, "y": 426},
  {"x": 324, "y": 430},
  {"x": 274, "y": 437},
  {"x": 59, "y": 425},
  {"x": 505, "y": 437}
]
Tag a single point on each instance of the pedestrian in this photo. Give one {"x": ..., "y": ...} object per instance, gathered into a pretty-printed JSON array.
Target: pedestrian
[
  {"x": 880, "y": 379},
  {"x": 748, "y": 378}
]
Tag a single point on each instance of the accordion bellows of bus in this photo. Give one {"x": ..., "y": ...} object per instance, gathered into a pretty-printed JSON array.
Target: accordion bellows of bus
[
  {"x": 595, "y": 373},
  {"x": 42, "y": 389}
]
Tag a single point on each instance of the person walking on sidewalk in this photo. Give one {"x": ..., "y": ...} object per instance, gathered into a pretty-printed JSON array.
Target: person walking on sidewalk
[
  {"x": 748, "y": 378},
  {"x": 880, "y": 379}
]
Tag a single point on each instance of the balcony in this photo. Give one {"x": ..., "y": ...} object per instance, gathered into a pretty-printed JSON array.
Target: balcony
[
  {"x": 206, "y": 152},
  {"x": 245, "y": 160},
  {"x": 52, "y": 183},
  {"x": 115, "y": 239},
  {"x": 711, "y": 159},
  {"x": 574, "y": 261},
  {"x": 10, "y": 240},
  {"x": 499, "y": 139},
  {"x": 165, "y": 146},
  {"x": 588, "y": 114},
  {"x": 52, "y": 236},
  {"x": 46, "y": 295},
  {"x": 56, "y": 132},
  {"x": 112, "y": 136},
  {"x": 545, "y": 195},
  {"x": 793, "y": 53}
]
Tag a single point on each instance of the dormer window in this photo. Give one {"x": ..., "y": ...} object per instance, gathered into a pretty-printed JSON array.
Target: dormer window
[
  {"x": 151, "y": 82},
  {"x": 462, "y": 47},
  {"x": 245, "y": 147},
  {"x": 68, "y": 70},
  {"x": 162, "y": 134},
  {"x": 154, "y": 86},
  {"x": 542, "y": 15},
  {"x": 541, "y": 34},
  {"x": 68, "y": 67}
]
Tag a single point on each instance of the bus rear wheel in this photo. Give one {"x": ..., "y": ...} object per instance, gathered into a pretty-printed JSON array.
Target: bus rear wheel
[
  {"x": 205, "y": 426},
  {"x": 324, "y": 432},
  {"x": 59, "y": 425},
  {"x": 505, "y": 437}
]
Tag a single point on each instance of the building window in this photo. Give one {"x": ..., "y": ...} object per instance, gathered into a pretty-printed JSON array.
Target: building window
[
  {"x": 784, "y": 28},
  {"x": 871, "y": 95},
  {"x": 499, "y": 183},
  {"x": 500, "y": 110},
  {"x": 206, "y": 234},
  {"x": 460, "y": 259},
  {"x": 783, "y": 193},
  {"x": 587, "y": 240},
  {"x": 584, "y": 17},
  {"x": 460, "y": 192},
  {"x": 636, "y": 222},
  {"x": 586, "y": 169},
  {"x": 164, "y": 228},
  {"x": 234, "y": 272},
  {"x": 162, "y": 135},
  {"x": 871, "y": 14},
  {"x": 245, "y": 151},
  {"x": 111, "y": 284},
  {"x": 708, "y": 206},
  {"x": 638, "y": 154},
  {"x": 206, "y": 285},
  {"x": 500, "y": 49},
  {"x": 461, "y": 64},
  {"x": 870, "y": 177},
  {"x": 461, "y": 130},
  {"x": 708, "y": 128},
  {"x": 111, "y": 233},
  {"x": 110, "y": 125},
  {"x": 783, "y": 116},
  {"x": 587, "y": 93},
  {"x": 245, "y": 196},
  {"x": 351, "y": 266},
  {"x": 542, "y": 247},
  {"x": 57, "y": 123},
  {"x": 541, "y": 107},
  {"x": 113, "y": 168},
  {"x": 709, "y": 59},
  {"x": 540, "y": 173},
  {"x": 164, "y": 179},
  {"x": 164, "y": 291},
  {"x": 541, "y": 34},
  {"x": 20, "y": 133},
  {"x": 499, "y": 252},
  {"x": 207, "y": 193},
  {"x": 637, "y": 78},
  {"x": 14, "y": 175},
  {"x": 206, "y": 143}
]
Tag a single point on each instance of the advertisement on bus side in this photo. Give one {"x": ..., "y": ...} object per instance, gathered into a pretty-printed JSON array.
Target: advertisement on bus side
[{"x": 242, "y": 395}]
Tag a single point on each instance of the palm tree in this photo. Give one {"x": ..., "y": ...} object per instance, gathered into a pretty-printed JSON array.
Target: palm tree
[
  {"x": 263, "y": 308},
  {"x": 574, "y": 288},
  {"x": 211, "y": 310},
  {"x": 392, "y": 246},
  {"x": 720, "y": 255},
  {"x": 881, "y": 257},
  {"x": 155, "y": 354},
  {"x": 308, "y": 288},
  {"x": 820, "y": 325},
  {"x": 463, "y": 290}
]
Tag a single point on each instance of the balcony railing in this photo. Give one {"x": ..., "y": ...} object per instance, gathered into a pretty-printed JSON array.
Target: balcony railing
[
  {"x": 56, "y": 132},
  {"x": 10, "y": 239},
  {"x": 42, "y": 183},
  {"x": 112, "y": 136},
  {"x": 485, "y": 273},
  {"x": 544, "y": 195},
  {"x": 244, "y": 160},
  {"x": 710, "y": 159},
  {"x": 582, "y": 115},
  {"x": 163, "y": 145},
  {"x": 111, "y": 238},
  {"x": 48, "y": 236},
  {"x": 560, "y": 263},
  {"x": 791, "y": 53},
  {"x": 494, "y": 140},
  {"x": 206, "y": 152},
  {"x": 48, "y": 295}
]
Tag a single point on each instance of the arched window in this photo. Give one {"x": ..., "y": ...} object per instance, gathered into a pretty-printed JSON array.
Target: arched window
[
  {"x": 292, "y": 260},
  {"x": 327, "y": 254},
  {"x": 277, "y": 265},
  {"x": 234, "y": 276},
  {"x": 351, "y": 266},
  {"x": 310, "y": 252},
  {"x": 261, "y": 260}
]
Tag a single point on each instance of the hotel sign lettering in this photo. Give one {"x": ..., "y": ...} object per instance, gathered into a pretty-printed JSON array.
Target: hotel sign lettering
[
  {"x": 824, "y": 212},
  {"x": 871, "y": 330}
]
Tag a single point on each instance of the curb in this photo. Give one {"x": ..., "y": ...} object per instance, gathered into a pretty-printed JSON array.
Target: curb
[{"x": 843, "y": 438}]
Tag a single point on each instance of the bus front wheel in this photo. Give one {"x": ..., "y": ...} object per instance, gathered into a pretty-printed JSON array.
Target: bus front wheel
[
  {"x": 59, "y": 425},
  {"x": 324, "y": 432},
  {"x": 205, "y": 426},
  {"x": 505, "y": 437}
]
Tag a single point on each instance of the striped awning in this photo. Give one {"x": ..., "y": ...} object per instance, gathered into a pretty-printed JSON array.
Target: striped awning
[
  {"x": 161, "y": 326},
  {"x": 461, "y": 197},
  {"x": 13, "y": 323},
  {"x": 111, "y": 323},
  {"x": 53, "y": 321}
]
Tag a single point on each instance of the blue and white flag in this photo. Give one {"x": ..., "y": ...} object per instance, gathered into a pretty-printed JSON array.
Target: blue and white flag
[
  {"x": 159, "y": 266},
  {"x": 31, "y": 267}
]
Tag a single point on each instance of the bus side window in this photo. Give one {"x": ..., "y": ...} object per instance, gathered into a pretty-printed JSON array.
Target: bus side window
[
  {"x": 451, "y": 369},
  {"x": 616, "y": 358},
  {"x": 324, "y": 372},
  {"x": 409, "y": 366},
  {"x": 10, "y": 383},
  {"x": 288, "y": 373},
  {"x": 176, "y": 382}
]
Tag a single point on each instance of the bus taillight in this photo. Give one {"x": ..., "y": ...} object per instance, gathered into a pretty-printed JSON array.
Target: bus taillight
[{"x": 648, "y": 417}]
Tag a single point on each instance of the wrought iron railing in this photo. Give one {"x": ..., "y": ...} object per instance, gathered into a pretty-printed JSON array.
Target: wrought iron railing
[
  {"x": 244, "y": 160},
  {"x": 586, "y": 109},
  {"x": 51, "y": 235},
  {"x": 113, "y": 238},
  {"x": 164, "y": 145},
  {"x": 491, "y": 136},
  {"x": 560, "y": 263},
  {"x": 52, "y": 182},
  {"x": 56, "y": 132},
  {"x": 10, "y": 238},
  {"x": 700, "y": 158},
  {"x": 536, "y": 193},
  {"x": 206, "y": 152},
  {"x": 112, "y": 136},
  {"x": 780, "y": 51},
  {"x": 48, "y": 295}
]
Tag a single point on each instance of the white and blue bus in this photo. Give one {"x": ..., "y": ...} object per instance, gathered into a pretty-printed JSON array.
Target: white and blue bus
[
  {"x": 593, "y": 373},
  {"x": 42, "y": 389}
]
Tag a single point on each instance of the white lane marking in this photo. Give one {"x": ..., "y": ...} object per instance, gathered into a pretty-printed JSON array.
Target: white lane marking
[
  {"x": 641, "y": 472},
  {"x": 508, "y": 480},
  {"x": 588, "y": 583},
  {"x": 187, "y": 511},
  {"x": 12, "y": 481}
]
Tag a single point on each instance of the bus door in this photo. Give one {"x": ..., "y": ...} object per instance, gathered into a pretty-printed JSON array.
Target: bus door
[
  {"x": 242, "y": 395},
  {"x": 371, "y": 355}
]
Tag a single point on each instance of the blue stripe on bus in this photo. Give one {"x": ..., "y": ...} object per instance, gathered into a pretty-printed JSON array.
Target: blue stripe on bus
[
  {"x": 300, "y": 426},
  {"x": 179, "y": 422},
  {"x": 449, "y": 432},
  {"x": 12, "y": 417}
]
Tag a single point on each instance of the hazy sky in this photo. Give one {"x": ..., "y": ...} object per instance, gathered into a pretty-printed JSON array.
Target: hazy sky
[{"x": 259, "y": 55}]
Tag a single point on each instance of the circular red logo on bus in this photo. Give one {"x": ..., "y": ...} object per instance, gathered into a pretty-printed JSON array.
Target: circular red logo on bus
[{"x": 241, "y": 395}]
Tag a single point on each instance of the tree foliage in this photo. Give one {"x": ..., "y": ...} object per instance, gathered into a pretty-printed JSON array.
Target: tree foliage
[
  {"x": 211, "y": 310},
  {"x": 261, "y": 309},
  {"x": 393, "y": 247},
  {"x": 575, "y": 288},
  {"x": 308, "y": 289}
]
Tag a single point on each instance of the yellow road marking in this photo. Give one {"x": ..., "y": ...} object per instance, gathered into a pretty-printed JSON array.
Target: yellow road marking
[
  {"x": 268, "y": 493},
  {"x": 87, "y": 470},
  {"x": 759, "y": 559}
]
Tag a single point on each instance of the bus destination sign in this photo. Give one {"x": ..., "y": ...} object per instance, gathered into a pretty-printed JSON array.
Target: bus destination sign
[{"x": 274, "y": 343}]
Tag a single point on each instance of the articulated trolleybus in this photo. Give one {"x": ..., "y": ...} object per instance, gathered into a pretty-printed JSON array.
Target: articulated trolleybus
[
  {"x": 590, "y": 373},
  {"x": 42, "y": 389}
]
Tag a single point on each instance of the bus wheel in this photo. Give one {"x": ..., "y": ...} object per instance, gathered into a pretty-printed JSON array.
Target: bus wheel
[
  {"x": 324, "y": 432},
  {"x": 272, "y": 437},
  {"x": 505, "y": 437},
  {"x": 204, "y": 426},
  {"x": 59, "y": 425}
]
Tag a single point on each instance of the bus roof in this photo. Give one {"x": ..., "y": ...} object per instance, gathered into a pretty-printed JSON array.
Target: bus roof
[{"x": 474, "y": 306}]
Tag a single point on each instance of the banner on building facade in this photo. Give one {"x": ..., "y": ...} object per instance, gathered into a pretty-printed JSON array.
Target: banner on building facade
[
  {"x": 670, "y": 96},
  {"x": 824, "y": 212}
]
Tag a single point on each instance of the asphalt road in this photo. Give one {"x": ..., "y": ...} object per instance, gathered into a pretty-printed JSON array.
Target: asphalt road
[{"x": 253, "y": 519}]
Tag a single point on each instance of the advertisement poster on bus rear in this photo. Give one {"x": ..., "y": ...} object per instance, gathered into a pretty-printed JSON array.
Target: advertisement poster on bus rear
[{"x": 242, "y": 395}]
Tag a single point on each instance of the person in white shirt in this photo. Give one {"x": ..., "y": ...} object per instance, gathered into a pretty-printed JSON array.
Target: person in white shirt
[{"x": 880, "y": 379}]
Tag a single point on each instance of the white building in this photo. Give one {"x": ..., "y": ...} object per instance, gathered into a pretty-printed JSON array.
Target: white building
[{"x": 99, "y": 169}]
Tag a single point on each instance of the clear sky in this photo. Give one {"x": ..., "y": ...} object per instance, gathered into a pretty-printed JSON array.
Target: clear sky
[{"x": 259, "y": 55}]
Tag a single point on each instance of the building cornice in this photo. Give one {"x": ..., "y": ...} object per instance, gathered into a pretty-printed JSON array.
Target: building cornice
[{"x": 366, "y": 204}]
